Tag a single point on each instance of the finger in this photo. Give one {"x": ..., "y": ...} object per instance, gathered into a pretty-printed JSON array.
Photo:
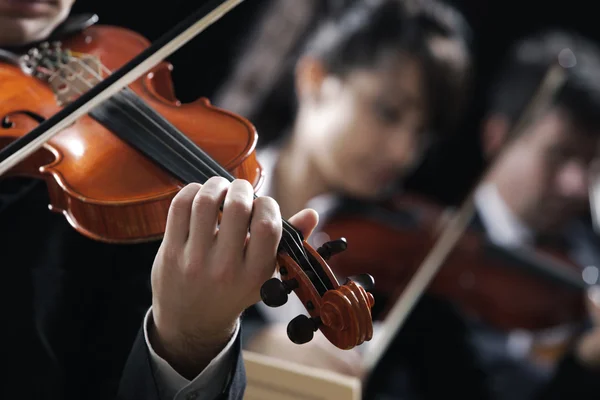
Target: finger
[
  {"x": 305, "y": 221},
  {"x": 177, "y": 228},
  {"x": 237, "y": 211},
  {"x": 265, "y": 234},
  {"x": 205, "y": 213}
]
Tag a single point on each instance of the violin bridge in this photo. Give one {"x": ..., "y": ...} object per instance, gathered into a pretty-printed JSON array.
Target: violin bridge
[{"x": 75, "y": 76}]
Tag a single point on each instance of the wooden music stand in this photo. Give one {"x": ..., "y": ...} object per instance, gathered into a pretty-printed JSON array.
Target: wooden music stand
[{"x": 276, "y": 379}]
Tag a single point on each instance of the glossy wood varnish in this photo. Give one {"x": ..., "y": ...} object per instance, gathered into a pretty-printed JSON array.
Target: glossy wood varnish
[{"x": 107, "y": 190}]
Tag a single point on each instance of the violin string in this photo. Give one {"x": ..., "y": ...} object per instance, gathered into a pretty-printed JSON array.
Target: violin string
[
  {"x": 63, "y": 65},
  {"x": 298, "y": 252},
  {"x": 291, "y": 231}
]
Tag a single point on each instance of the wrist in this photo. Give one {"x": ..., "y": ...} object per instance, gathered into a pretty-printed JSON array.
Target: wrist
[{"x": 188, "y": 351}]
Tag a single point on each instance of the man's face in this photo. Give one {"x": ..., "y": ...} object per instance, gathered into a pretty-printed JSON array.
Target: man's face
[
  {"x": 544, "y": 173},
  {"x": 27, "y": 21}
]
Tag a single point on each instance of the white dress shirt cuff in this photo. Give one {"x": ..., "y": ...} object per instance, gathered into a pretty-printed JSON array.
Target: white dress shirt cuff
[{"x": 206, "y": 386}]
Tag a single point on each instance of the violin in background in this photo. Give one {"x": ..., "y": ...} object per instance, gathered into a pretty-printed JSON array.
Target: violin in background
[{"x": 507, "y": 288}]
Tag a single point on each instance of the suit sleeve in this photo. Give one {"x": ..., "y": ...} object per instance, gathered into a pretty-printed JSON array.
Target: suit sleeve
[{"x": 146, "y": 376}]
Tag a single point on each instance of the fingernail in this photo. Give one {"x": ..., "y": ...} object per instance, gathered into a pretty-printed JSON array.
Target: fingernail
[{"x": 594, "y": 295}]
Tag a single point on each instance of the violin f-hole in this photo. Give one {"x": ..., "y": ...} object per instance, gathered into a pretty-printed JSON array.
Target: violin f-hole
[{"x": 8, "y": 124}]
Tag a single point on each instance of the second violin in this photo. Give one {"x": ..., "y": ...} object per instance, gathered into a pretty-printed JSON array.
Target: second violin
[{"x": 507, "y": 288}]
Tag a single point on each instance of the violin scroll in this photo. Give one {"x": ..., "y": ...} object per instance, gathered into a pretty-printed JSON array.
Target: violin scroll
[{"x": 341, "y": 312}]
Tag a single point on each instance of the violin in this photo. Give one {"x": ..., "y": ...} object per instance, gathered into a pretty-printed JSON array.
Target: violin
[
  {"x": 506, "y": 288},
  {"x": 95, "y": 116}
]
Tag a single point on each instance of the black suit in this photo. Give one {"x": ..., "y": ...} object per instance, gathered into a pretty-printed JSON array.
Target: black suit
[
  {"x": 73, "y": 307},
  {"x": 431, "y": 358}
]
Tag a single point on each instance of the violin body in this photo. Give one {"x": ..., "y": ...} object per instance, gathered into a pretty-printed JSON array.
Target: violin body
[
  {"x": 106, "y": 189},
  {"x": 390, "y": 243}
]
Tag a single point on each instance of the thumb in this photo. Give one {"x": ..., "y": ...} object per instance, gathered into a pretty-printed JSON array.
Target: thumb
[{"x": 305, "y": 221}]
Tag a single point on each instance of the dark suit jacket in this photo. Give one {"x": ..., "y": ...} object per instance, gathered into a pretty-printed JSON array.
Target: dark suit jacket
[
  {"x": 431, "y": 358},
  {"x": 138, "y": 383},
  {"x": 72, "y": 308}
]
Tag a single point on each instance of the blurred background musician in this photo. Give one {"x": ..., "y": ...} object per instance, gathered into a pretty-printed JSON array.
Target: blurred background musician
[
  {"x": 374, "y": 87},
  {"x": 536, "y": 193},
  {"x": 544, "y": 175}
]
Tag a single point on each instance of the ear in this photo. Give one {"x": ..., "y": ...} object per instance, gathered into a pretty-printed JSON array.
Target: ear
[
  {"x": 310, "y": 75},
  {"x": 494, "y": 134}
]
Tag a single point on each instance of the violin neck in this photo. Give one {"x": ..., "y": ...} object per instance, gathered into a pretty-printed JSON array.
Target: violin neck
[
  {"x": 539, "y": 264},
  {"x": 136, "y": 123}
]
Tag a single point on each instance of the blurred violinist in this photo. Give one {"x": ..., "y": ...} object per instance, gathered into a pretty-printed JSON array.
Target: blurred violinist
[
  {"x": 90, "y": 320},
  {"x": 534, "y": 196},
  {"x": 536, "y": 193},
  {"x": 375, "y": 86}
]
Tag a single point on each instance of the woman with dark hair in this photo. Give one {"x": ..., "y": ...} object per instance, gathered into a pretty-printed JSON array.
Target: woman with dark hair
[{"x": 375, "y": 86}]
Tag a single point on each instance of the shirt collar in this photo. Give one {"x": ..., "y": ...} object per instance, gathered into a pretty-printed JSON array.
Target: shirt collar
[{"x": 501, "y": 224}]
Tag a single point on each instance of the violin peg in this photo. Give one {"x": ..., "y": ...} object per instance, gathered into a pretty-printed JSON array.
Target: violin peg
[
  {"x": 370, "y": 300},
  {"x": 302, "y": 329},
  {"x": 364, "y": 280},
  {"x": 332, "y": 248},
  {"x": 274, "y": 292}
]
